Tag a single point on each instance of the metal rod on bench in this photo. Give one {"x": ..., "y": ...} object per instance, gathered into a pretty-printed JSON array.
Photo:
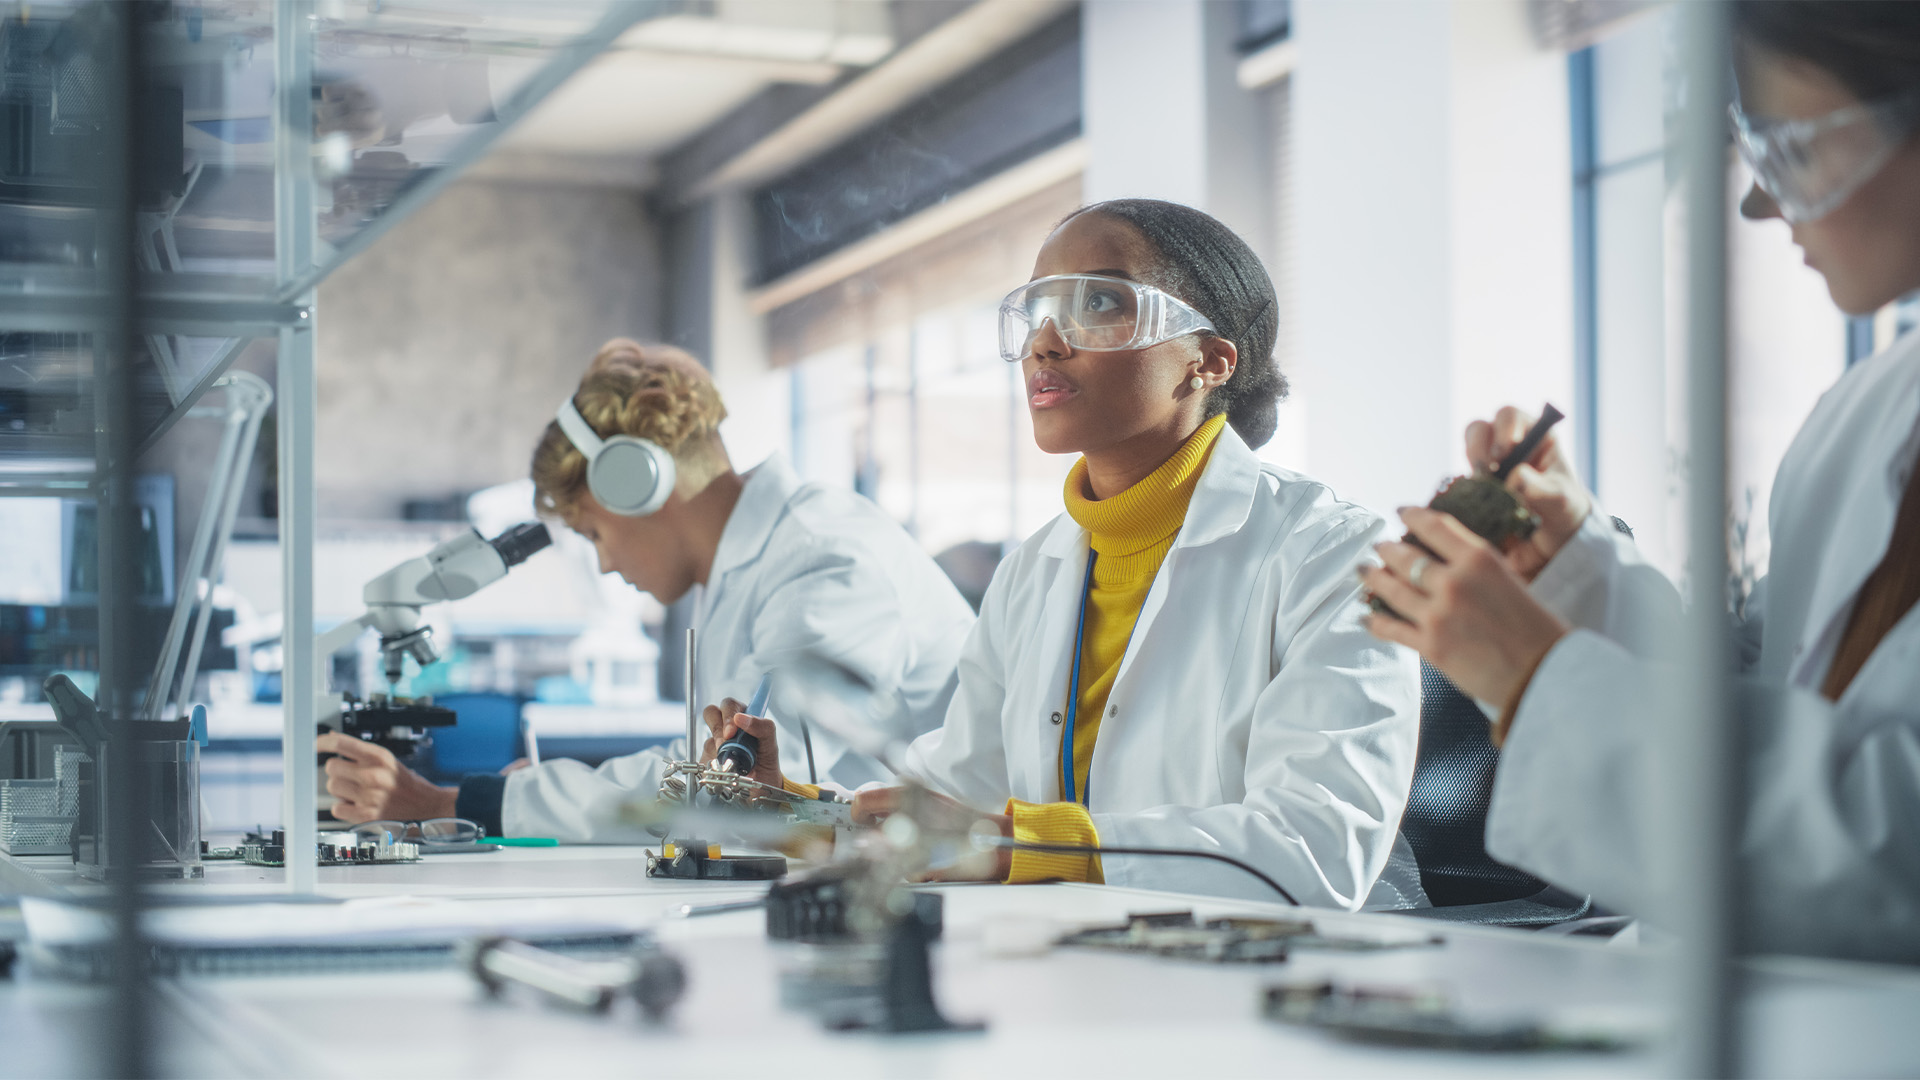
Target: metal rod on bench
[{"x": 694, "y": 741}]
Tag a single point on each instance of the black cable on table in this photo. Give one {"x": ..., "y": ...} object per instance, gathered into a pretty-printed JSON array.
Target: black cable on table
[{"x": 1172, "y": 853}]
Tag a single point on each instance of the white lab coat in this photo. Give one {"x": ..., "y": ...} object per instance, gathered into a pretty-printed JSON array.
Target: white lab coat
[
  {"x": 1828, "y": 849},
  {"x": 1252, "y": 715},
  {"x": 802, "y": 571}
]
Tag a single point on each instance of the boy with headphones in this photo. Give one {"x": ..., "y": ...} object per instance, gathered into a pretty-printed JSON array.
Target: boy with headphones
[{"x": 634, "y": 463}]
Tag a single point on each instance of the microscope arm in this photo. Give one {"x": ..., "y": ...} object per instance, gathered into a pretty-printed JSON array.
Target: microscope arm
[
  {"x": 341, "y": 636},
  {"x": 453, "y": 570}
]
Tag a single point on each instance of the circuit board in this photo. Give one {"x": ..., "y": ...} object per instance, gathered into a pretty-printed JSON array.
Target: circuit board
[
  {"x": 1423, "y": 1017},
  {"x": 1178, "y": 935},
  {"x": 335, "y": 849}
]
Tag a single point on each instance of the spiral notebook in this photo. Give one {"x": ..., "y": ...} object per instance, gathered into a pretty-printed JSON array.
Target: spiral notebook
[{"x": 388, "y": 933}]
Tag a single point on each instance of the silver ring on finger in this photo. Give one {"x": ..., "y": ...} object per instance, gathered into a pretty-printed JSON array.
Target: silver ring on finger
[{"x": 1417, "y": 573}]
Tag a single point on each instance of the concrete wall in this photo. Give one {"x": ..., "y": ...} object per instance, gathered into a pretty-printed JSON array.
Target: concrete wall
[{"x": 445, "y": 348}]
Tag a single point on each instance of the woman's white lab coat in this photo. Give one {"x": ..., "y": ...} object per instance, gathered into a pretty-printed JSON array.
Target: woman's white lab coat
[
  {"x": 1828, "y": 849},
  {"x": 1252, "y": 715},
  {"x": 801, "y": 571}
]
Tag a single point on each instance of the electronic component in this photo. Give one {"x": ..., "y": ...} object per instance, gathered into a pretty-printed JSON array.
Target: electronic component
[
  {"x": 883, "y": 984},
  {"x": 1422, "y": 1017},
  {"x": 697, "y": 860},
  {"x": 817, "y": 906},
  {"x": 1177, "y": 934},
  {"x": 335, "y": 849}
]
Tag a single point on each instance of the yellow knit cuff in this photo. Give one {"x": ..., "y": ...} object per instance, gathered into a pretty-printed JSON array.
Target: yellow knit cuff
[
  {"x": 1053, "y": 823},
  {"x": 805, "y": 791}
]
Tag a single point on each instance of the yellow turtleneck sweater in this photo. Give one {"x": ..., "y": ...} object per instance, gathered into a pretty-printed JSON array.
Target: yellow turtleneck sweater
[{"x": 1131, "y": 535}]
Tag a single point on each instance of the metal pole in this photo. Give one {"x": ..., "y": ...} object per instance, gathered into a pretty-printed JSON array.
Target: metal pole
[
  {"x": 160, "y": 688},
  {"x": 294, "y": 228},
  {"x": 250, "y": 394},
  {"x": 128, "y": 1039},
  {"x": 1586, "y": 266},
  {"x": 1705, "y": 752},
  {"x": 694, "y": 742}
]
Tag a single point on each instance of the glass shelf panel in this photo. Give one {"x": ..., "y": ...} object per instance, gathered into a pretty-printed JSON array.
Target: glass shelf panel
[
  {"x": 400, "y": 90},
  {"x": 405, "y": 93}
]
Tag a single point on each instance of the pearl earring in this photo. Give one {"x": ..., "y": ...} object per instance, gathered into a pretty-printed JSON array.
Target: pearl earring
[{"x": 1197, "y": 382}]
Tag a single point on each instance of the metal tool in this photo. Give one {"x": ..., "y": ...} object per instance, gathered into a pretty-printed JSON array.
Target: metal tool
[
  {"x": 742, "y": 752},
  {"x": 690, "y": 911},
  {"x": 697, "y": 860},
  {"x": 650, "y": 975},
  {"x": 694, "y": 741}
]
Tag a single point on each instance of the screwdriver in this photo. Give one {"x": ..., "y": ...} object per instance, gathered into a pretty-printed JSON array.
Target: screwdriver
[{"x": 742, "y": 752}]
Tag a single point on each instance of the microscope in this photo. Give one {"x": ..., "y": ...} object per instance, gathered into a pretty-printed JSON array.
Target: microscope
[{"x": 453, "y": 570}]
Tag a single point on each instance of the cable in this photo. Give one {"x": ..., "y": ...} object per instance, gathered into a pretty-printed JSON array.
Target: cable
[
  {"x": 1172, "y": 853},
  {"x": 806, "y": 737}
]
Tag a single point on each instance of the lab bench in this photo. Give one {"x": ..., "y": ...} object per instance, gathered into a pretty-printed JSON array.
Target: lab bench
[{"x": 1047, "y": 1010}]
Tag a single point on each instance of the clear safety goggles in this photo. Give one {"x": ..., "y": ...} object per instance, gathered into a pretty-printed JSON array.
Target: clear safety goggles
[
  {"x": 1810, "y": 167},
  {"x": 1096, "y": 313},
  {"x": 446, "y": 830}
]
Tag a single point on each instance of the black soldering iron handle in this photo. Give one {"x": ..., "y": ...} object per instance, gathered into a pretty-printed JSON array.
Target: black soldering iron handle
[
  {"x": 1524, "y": 449},
  {"x": 739, "y": 754}
]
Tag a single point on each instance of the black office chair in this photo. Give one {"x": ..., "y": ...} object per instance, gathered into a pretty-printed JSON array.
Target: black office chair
[{"x": 1446, "y": 822}]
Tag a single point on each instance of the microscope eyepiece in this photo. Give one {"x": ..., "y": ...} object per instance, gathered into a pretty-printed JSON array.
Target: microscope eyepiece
[{"x": 522, "y": 540}]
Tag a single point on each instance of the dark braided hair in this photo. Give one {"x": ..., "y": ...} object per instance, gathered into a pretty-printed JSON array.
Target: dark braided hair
[
  {"x": 1871, "y": 46},
  {"x": 1207, "y": 265}
]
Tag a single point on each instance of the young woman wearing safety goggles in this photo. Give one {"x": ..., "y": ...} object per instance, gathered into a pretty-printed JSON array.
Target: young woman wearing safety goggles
[
  {"x": 1177, "y": 661},
  {"x": 1563, "y": 631}
]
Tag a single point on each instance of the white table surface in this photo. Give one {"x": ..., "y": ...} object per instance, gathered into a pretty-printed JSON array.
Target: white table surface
[{"x": 1060, "y": 1012}]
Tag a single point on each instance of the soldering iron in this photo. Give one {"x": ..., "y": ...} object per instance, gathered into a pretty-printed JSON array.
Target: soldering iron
[{"x": 742, "y": 752}]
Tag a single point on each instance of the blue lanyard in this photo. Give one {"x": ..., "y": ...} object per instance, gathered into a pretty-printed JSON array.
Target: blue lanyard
[{"x": 1067, "y": 782}]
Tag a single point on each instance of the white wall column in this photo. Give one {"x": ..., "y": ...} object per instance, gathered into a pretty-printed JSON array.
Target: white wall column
[
  {"x": 1164, "y": 116},
  {"x": 758, "y": 410},
  {"x": 1433, "y": 230}
]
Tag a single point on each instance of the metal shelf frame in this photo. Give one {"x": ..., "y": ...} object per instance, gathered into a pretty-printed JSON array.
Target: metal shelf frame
[
  {"x": 127, "y": 307},
  {"x": 243, "y": 308}
]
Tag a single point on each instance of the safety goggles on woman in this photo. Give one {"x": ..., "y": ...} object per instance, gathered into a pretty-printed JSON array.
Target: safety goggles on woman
[
  {"x": 1095, "y": 313},
  {"x": 1811, "y": 166}
]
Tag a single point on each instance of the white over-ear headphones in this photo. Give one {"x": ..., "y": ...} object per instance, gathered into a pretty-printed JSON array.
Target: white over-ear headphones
[{"x": 630, "y": 477}]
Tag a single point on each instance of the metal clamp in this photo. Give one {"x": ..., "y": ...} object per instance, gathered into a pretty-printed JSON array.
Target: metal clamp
[{"x": 651, "y": 976}]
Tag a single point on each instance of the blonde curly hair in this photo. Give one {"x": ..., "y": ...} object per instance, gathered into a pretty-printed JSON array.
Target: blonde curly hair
[{"x": 653, "y": 392}]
